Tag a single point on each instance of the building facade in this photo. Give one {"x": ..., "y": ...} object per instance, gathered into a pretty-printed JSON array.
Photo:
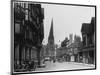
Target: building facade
[
  {"x": 28, "y": 32},
  {"x": 73, "y": 48},
  {"x": 87, "y": 53}
]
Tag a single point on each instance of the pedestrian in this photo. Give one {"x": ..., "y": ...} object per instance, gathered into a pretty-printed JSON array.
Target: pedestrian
[{"x": 54, "y": 61}]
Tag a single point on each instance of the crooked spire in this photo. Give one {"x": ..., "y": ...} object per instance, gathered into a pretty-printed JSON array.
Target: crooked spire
[{"x": 51, "y": 36}]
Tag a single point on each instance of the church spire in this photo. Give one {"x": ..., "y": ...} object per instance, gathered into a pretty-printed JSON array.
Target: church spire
[{"x": 51, "y": 37}]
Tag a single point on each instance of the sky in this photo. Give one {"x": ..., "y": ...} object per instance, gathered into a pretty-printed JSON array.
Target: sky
[{"x": 67, "y": 19}]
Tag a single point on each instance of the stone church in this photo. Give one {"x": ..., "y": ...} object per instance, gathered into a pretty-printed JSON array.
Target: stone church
[{"x": 50, "y": 46}]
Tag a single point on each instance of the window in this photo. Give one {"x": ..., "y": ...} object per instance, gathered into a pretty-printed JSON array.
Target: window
[
  {"x": 17, "y": 28},
  {"x": 84, "y": 41}
]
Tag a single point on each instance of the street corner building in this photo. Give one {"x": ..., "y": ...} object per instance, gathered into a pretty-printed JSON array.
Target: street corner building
[
  {"x": 28, "y": 35},
  {"x": 87, "y": 52}
]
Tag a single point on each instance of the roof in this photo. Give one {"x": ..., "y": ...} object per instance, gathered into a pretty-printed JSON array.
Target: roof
[
  {"x": 85, "y": 28},
  {"x": 88, "y": 27}
]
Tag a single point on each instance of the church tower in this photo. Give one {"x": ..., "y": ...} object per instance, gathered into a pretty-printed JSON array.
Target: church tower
[
  {"x": 51, "y": 47},
  {"x": 51, "y": 36}
]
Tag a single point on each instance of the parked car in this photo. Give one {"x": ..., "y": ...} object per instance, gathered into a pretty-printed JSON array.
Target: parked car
[{"x": 47, "y": 59}]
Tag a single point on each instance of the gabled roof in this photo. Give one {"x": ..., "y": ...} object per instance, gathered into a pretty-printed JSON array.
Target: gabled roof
[
  {"x": 85, "y": 28},
  {"x": 88, "y": 27}
]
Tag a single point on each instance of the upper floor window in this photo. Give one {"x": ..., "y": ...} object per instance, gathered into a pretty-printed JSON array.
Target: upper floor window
[
  {"x": 84, "y": 41},
  {"x": 17, "y": 28}
]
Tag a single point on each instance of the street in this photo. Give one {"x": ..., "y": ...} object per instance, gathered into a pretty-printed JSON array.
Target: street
[
  {"x": 50, "y": 66},
  {"x": 58, "y": 66}
]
